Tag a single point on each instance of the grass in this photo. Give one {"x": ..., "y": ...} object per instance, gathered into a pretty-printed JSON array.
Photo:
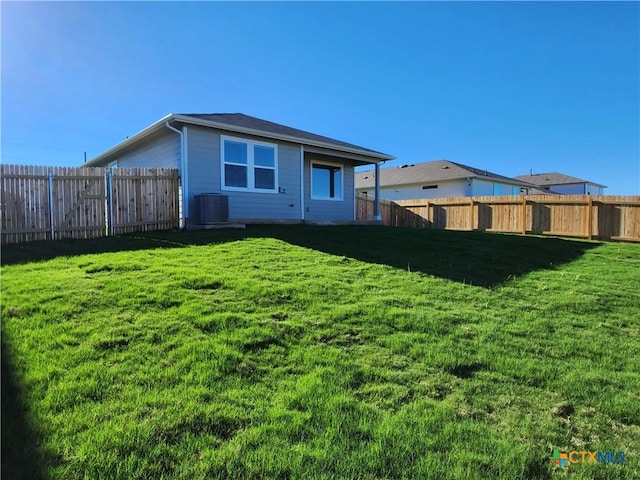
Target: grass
[{"x": 328, "y": 353}]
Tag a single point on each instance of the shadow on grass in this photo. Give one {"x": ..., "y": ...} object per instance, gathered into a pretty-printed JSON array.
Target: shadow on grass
[
  {"x": 21, "y": 458},
  {"x": 482, "y": 259}
]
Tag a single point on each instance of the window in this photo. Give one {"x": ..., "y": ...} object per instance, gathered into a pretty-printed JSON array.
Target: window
[
  {"x": 326, "y": 181},
  {"x": 248, "y": 165}
]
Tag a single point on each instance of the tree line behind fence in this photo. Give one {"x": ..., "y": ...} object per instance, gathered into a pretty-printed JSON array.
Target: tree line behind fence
[
  {"x": 43, "y": 203},
  {"x": 605, "y": 217}
]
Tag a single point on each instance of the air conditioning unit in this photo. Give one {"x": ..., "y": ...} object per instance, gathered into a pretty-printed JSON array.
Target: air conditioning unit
[{"x": 211, "y": 208}]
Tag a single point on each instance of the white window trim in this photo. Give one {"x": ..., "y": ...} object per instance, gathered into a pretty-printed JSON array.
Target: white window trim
[
  {"x": 335, "y": 199},
  {"x": 250, "y": 166}
]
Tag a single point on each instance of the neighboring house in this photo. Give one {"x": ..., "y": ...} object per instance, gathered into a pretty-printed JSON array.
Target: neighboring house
[
  {"x": 269, "y": 172},
  {"x": 554, "y": 182},
  {"x": 438, "y": 179}
]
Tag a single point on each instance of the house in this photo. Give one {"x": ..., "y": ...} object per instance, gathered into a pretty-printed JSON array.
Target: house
[
  {"x": 438, "y": 179},
  {"x": 554, "y": 182},
  {"x": 269, "y": 172}
]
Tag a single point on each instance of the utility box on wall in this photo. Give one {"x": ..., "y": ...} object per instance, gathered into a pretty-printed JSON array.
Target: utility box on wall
[{"x": 211, "y": 208}]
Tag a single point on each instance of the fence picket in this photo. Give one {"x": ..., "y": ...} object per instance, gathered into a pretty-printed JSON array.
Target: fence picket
[
  {"x": 77, "y": 205},
  {"x": 603, "y": 217}
]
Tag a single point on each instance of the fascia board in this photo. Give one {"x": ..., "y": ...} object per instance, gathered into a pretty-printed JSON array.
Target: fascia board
[
  {"x": 130, "y": 141},
  {"x": 342, "y": 154}
]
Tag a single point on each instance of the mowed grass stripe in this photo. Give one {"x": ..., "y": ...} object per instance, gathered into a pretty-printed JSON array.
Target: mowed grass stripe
[{"x": 302, "y": 352}]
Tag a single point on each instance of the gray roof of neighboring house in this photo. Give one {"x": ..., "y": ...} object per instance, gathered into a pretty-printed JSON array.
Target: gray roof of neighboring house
[
  {"x": 429, "y": 172},
  {"x": 553, "y": 178},
  {"x": 241, "y": 123}
]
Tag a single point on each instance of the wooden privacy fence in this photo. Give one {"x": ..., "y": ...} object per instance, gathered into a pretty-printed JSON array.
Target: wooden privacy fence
[
  {"x": 43, "y": 203},
  {"x": 604, "y": 217}
]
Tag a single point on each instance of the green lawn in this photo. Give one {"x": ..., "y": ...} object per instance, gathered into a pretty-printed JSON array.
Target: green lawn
[{"x": 321, "y": 353}]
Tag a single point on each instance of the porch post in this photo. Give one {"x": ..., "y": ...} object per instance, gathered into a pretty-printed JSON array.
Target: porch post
[{"x": 376, "y": 201}]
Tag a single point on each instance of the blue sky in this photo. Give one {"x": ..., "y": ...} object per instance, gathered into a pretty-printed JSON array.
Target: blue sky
[{"x": 503, "y": 86}]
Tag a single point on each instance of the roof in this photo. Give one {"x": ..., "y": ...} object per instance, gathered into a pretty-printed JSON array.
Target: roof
[
  {"x": 241, "y": 123},
  {"x": 429, "y": 172},
  {"x": 246, "y": 121},
  {"x": 553, "y": 178}
]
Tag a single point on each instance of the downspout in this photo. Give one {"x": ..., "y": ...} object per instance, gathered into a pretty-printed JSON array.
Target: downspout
[
  {"x": 185, "y": 203},
  {"x": 185, "y": 173},
  {"x": 376, "y": 202},
  {"x": 302, "y": 182}
]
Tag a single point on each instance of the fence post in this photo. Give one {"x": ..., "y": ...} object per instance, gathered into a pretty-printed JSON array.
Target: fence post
[
  {"x": 429, "y": 224},
  {"x": 471, "y": 213},
  {"x": 109, "y": 203},
  {"x": 523, "y": 215},
  {"x": 589, "y": 217},
  {"x": 50, "y": 185}
]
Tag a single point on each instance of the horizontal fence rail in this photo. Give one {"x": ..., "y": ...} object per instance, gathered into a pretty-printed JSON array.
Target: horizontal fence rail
[
  {"x": 48, "y": 203},
  {"x": 605, "y": 217}
]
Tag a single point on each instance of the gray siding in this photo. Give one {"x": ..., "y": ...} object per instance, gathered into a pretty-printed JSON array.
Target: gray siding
[
  {"x": 493, "y": 188},
  {"x": 330, "y": 210},
  {"x": 449, "y": 188},
  {"x": 446, "y": 188},
  {"x": 205, "y": 177},
  {"x": 161, "y": 150},
  {"x": 569, "y": 189}
]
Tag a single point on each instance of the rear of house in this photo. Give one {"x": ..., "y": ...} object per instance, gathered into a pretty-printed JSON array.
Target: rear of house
[
  {"x": 554, "y": 182},
  {"x": 268, "y": 172},
  {"x": 438, "y": 179}
]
